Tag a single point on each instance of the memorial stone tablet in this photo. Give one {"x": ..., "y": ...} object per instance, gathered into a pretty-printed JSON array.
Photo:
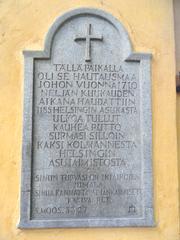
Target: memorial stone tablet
[{"x": 87, "y": 127}]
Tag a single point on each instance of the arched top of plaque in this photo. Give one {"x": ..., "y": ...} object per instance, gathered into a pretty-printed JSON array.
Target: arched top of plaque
[{"x": 90, "y": 32}]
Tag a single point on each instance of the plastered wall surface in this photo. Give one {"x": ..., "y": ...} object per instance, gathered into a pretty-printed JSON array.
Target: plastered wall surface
[
  {"x": 178, "y": 133},
  {"x": 177, "y": 50},
  {"x": 23, "y": 25}
]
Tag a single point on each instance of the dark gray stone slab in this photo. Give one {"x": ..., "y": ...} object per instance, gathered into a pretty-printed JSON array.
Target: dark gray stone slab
[{"x": 87, "y": 127}]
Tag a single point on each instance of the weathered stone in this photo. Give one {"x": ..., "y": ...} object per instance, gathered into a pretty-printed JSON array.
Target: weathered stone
[{"x": 87, "y": 127}]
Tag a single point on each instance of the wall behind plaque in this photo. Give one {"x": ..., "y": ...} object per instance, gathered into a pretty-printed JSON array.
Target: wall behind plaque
[{"x": 177, "y": 51}]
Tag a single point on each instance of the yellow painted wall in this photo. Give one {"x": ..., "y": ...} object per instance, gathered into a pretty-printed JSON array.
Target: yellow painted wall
[
  {"x": 23, "y": 25},
  {"x": 177, "y": 50},
  {"x": 178, "y": 133}
]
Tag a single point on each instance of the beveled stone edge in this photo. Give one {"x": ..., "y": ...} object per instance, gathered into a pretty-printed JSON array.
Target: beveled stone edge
[
  {"x": 88, "y": 223},
  {"x": 138, "y": 56}
]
